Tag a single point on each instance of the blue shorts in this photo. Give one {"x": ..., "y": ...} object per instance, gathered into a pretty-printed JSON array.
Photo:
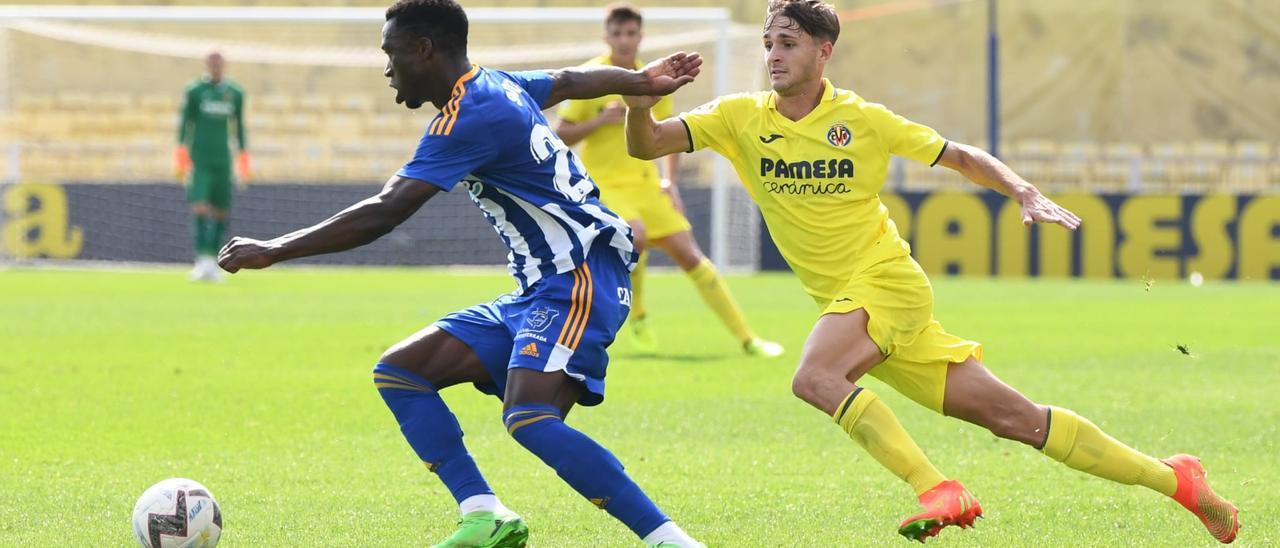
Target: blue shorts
[{"x": 562, "y": 323}]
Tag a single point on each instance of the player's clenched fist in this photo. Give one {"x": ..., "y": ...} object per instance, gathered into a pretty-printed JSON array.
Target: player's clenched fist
[{"x": 245, "y": 253}]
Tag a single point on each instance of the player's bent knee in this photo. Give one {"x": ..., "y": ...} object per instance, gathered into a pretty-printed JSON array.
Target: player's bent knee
[
  {"x": 391, "y": 355},
  {"x": 808, "y": 386}
]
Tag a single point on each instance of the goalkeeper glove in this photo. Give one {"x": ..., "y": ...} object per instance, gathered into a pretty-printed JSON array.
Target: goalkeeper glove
[
  {"x": 181, "y": 163},
  {"x": 242, "y": 167}
]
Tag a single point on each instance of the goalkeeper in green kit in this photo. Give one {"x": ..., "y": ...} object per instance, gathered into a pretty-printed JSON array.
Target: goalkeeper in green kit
[{"x": 203, "y": 157}]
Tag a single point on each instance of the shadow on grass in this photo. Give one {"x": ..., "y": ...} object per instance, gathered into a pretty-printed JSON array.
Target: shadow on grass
[{"x": 654, "y": 357}]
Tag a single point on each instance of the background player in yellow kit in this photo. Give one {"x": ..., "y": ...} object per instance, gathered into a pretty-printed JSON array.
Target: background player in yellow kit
[
  {"x": 632, "y": 188},
  {"x": 814, "y": 157}
]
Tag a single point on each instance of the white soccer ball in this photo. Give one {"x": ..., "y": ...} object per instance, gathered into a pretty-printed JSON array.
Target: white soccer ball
[{"x": 177, "y": 513}]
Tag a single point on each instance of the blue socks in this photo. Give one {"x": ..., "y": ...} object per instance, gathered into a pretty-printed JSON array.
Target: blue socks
[
  {"x": 590, "y": 469},
  {"x": 435, "y": 436},
  {"x": 431, "y": 429}
]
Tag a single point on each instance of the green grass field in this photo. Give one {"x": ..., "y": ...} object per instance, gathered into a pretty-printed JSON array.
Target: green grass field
[{"x": 260, "y": 389}]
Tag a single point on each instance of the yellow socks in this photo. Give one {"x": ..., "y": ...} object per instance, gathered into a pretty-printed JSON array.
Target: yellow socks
[
  {"x": 716, "y": 294},
  {"x": 1078, "y": 443},
  {"x": 872, "y": 424},
  {"x": 637, "y": 287}
]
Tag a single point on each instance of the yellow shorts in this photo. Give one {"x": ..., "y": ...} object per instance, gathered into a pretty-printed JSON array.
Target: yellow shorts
[
  {"x": 899, "y": 301},
  {"x": 648, "y": 204}
]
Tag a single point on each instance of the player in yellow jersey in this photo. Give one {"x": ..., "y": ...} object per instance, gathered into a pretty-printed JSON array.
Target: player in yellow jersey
[
  {"x": 632, "y": 189},
  {"x": 814, "y": 157}
]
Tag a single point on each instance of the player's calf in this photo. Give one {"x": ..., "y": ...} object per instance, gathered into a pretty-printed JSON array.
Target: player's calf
[
  {"x": 1021, "y": 423},
  {"x": 976, "y": 396},
  {"x": 590, "y": 469},
  {"x": 432, "y": 431}
]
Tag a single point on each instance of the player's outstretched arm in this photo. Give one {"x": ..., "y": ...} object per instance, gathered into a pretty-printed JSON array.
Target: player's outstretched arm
[
  {"x": 979, "y": 166},
  {"x": 353, "y": 227},
  {"x": 661, "y": 77},
  {"x": 649, "y": 139}
]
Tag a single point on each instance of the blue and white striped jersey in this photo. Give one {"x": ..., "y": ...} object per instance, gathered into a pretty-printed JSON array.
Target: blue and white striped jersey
[{"x": 492, "y": 136}]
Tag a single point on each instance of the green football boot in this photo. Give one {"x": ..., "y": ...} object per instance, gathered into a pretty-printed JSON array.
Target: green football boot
[{"x": 488, "y": 530}]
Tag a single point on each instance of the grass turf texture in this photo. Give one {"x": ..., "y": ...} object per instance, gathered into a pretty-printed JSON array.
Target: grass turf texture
[{"x": 260, "y": 389}]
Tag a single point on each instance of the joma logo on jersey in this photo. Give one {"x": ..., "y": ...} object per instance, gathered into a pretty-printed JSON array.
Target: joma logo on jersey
[
  {"x": 839, "y": 134},
  {"x": 817, "y": 169}
]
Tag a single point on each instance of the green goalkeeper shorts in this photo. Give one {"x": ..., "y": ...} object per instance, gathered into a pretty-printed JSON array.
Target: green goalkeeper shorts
[{"x": 211, "y": 185}]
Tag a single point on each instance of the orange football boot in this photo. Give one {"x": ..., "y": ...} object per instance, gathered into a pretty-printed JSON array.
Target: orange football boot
[
  {"x": 1218, "y": 516},
  {"x": 947, "y": 503}
]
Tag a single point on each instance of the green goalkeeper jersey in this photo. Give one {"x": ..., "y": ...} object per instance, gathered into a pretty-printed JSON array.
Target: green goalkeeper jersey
[{"x": 208, "y": 110}]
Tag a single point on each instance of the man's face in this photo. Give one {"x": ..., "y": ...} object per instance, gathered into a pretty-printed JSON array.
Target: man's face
[
  {"x": 623, "y": 37},
  {"x": 215, "y": 64},
  {"x": 793, "y": 57},
  {"x": 408, "y": 65}
]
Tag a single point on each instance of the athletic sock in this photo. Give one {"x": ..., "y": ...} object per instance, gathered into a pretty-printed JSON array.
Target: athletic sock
[
  {"x": 1076, "y": 442},
  {"x": 588, "y": 468},
  {"x": 480, "y": 503},
  {"x": 873, "y": 425},
  {"x": 716, "y": 294},
  {"x": 638, "y": 309},
  {"x": 431, "y": 429},
  {"x": 199, "y": 234},
  {"x": 218, "y": 231},
  {"x": 669, "y": 533}
]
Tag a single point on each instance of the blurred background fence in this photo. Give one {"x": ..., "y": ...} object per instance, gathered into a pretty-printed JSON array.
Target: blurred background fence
[{"x": 1095, "y": 98}]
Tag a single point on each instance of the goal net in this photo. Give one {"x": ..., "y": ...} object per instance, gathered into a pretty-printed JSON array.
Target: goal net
[{"x": 89, "y": 101}]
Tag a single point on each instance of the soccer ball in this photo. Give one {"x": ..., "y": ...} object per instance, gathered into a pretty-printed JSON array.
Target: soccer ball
[{"x": 177, "y": 513}]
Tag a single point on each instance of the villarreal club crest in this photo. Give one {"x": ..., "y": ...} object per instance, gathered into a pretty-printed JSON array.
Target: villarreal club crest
[{"x": 839, "y": 134}]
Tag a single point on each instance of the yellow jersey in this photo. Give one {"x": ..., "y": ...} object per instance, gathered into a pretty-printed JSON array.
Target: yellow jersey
[
  {"x": 817, "y": 180},
  {"x": 604, "y": 152}
]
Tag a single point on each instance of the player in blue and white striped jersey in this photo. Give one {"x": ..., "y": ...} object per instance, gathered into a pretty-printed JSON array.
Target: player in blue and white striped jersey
[
  {"x": 491, "y": 134},
  {"x": 542, "y": 348}
]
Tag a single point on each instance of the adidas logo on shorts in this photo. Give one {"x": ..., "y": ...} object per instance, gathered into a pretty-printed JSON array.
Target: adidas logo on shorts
[{"x": 530, "y": 349}]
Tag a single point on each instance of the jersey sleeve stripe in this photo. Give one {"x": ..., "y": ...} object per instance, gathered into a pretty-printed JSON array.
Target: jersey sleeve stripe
[
  {"x": 457, "y": 108},
  {"x": 586, "y": 311},
  {"x": 940, "y": 153},
  {"x": 688, "y": 134},
  {"x": 446, "y": 114},
  {"x": 444, "y": 121}
]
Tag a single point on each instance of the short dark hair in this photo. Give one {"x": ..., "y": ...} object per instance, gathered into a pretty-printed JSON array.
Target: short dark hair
[
  {"x": 815, "y": 17},
  {"x": 442, "y": 21},
  {"x": 621, "y": 12}
]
